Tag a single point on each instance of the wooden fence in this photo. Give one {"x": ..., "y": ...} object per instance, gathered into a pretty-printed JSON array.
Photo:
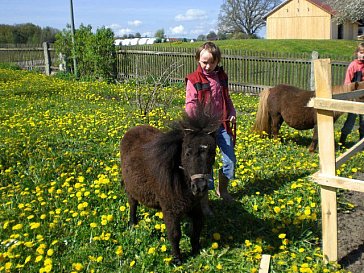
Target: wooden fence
[
  {"x": 326, "y": 103},
  {"x": 248, "y": 72},
  {"x": 42, "y": 57}
]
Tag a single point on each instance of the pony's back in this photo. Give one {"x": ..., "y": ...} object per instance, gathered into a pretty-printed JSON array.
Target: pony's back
[{"x": 134, "y": 164}]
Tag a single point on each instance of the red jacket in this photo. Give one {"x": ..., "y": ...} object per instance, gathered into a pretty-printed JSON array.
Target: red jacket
[
  {"x": 203, "y": 88},
  {"x": 355, "y": 72}
]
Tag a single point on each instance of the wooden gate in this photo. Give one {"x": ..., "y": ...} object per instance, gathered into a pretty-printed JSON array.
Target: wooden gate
[{"x": 326, "y": 103}]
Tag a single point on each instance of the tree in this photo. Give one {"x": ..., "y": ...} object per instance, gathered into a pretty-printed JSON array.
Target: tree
[
  {"x": 201, "y": 37},
  {"x": 26, "y": 34},
  {"x": 211, "y": 36},
  {"x": 245, "y": 16},
  {"x": 347, "y": 10},
  {"x": 159, "y": 33}
]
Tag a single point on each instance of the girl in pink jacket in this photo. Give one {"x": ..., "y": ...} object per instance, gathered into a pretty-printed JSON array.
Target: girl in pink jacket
[{"x": 209, "y": 83}]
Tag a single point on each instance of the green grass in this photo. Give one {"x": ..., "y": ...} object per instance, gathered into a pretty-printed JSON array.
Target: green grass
[
  {"x": 323, "y": 47},
  {"x": 63, "y": 210}
]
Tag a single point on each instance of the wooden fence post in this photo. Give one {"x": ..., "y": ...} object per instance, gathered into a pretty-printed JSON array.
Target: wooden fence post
[
  {"x": 47, "y": 58},
  {"x": 322, "y": 68},
  {"x": 314, "y": 56}
]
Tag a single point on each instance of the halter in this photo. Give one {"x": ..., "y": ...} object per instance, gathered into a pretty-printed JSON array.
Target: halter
[
  {"x": 197, "y": 175},
  {"x": 200, "y": 175}
]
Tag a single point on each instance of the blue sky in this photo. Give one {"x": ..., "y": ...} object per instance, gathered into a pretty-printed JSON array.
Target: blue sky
[{"x": 187, "y": 18}]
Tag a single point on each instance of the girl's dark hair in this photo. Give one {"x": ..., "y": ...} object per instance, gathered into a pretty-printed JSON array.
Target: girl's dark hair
[{"x": 210, "y": 47}]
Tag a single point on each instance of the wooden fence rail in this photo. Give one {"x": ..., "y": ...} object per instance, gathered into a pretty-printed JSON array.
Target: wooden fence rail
[
  {"x": 248, "y": 71},
  {"x": 42, "y": 57},
  {"x": 326, "y": 177}
]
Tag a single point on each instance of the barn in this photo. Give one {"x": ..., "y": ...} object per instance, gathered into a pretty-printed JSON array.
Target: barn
[{"x": 307, "y": 19}]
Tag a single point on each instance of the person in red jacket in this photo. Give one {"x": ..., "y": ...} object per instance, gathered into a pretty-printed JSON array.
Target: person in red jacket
[
  {"x": 354, "y": 73},
  {"x": 209, "y": 83}
]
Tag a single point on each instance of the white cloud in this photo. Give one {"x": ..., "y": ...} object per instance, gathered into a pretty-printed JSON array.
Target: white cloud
[
  {"x": 177, "y": 30},
  {"x": 119, "y": 30},
  {"x": 191, "y": 15},
  {"x": 135, "y": 23}
]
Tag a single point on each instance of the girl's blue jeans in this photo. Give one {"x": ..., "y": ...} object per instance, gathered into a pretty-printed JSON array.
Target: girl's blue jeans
[
  {"x": 225, "y": 143},
  {"x": 350, "y": 122}
]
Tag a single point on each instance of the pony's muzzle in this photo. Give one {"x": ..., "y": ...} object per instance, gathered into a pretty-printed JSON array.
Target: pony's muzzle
[{"x": 199, "y": 184}]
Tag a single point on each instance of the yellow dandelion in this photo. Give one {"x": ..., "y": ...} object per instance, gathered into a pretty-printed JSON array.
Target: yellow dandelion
[
  {"x": 17, "y": 227},
  {"x": 34, "y": 225},
  {"x": 215, "y": 245},
  {"x": 132, "y": 263},
  {"x": 219, "y": 266},
  {"x": 122, "y": 208},
  {"x": 50, "y": 252},
  {"x": 38, "y": 258},
  {"x": 247, "y": 243},
  {"x": 77, "y": 266},
  {"x": 163, "y": 248},
  {"x": 29, "y": 244},
  {"x": 216, "y": 236},
  {"x": 277, "y": 210},
  {"x": 119, "y": 251},
  {"x": 151, "y": 250},
  {"x": 282, "y": 236}
]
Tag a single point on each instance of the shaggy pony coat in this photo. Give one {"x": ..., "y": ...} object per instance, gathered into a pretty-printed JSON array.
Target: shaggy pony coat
[
  {"x": 170, "y": 171},
  {"x": 285, "y": 103}
]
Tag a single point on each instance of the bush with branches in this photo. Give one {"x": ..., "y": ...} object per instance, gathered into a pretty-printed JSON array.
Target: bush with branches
[{"x": 94, "y": 52}]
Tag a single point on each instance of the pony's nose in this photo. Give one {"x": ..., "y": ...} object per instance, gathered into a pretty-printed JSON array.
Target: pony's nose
[{"x": 199, "y": 186}]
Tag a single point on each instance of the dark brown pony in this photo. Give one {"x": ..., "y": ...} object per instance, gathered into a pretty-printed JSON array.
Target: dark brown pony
[
  {"x": 285, "y": 103},
  {"x": 170, "y": 171}
]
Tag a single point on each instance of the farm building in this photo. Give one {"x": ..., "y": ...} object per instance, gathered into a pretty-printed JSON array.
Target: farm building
[{"x": 307, "y": 19}]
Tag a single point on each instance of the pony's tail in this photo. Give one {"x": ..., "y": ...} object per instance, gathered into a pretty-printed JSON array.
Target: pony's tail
[{"x": 262, "y": 120}]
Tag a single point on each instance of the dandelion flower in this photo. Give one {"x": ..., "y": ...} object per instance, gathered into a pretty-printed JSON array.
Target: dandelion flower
[
  {"x": 151, "y": 250},
  {"x": 163, "y": 248},
  {"x": 277, "y": 210},
  {"x": 77, "y": 266},
  {"x": 119, "y": 251},
  {"x": 215, "y": 245},
  {"x": 282, "y": 236},
  {"x": 216, "y": 236}
]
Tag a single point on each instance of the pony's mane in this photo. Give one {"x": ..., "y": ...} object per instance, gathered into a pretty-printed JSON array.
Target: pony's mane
[
  {"x": 203, "y": 120},
  {"x": 164, "y": 153}
]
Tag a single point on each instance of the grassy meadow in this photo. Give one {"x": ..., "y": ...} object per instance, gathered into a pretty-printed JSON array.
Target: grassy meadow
[
  {"x": 63, "y": 210},
  {"x": 342, "y": 48}
]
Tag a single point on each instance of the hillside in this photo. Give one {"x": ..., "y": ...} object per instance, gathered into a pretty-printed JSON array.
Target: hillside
[{"x": 323, "y": 47}]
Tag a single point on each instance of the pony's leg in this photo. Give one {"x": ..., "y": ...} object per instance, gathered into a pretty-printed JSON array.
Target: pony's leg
[
  {"x": 197, "y": 218},
  {"x": 276, "y": 124},
  {"x": 173, "y": 225},
  {"x": 314, "y": 142},
  {"x": 133, "y": 204}
]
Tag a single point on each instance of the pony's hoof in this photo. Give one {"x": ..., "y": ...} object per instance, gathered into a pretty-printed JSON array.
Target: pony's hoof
[
  {"x": 177, "y": 261},
  {"x": 132, "y": 223}
]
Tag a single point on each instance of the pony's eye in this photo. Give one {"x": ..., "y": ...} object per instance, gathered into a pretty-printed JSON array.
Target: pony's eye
[{"x": 188, "y": 152}]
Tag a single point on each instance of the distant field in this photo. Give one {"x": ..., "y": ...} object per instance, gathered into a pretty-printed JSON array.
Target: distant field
[{"x": 325, "y": 47}]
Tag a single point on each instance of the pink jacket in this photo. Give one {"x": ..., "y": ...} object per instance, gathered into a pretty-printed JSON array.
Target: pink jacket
[
  {"x": 216, "y": 96},
  {"x": 353, "y": 67}
]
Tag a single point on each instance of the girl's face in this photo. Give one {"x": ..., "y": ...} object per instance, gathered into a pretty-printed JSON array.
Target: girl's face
[
  {"x": 361, "y": 54},
  {"x": 207, "y": 61}
]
